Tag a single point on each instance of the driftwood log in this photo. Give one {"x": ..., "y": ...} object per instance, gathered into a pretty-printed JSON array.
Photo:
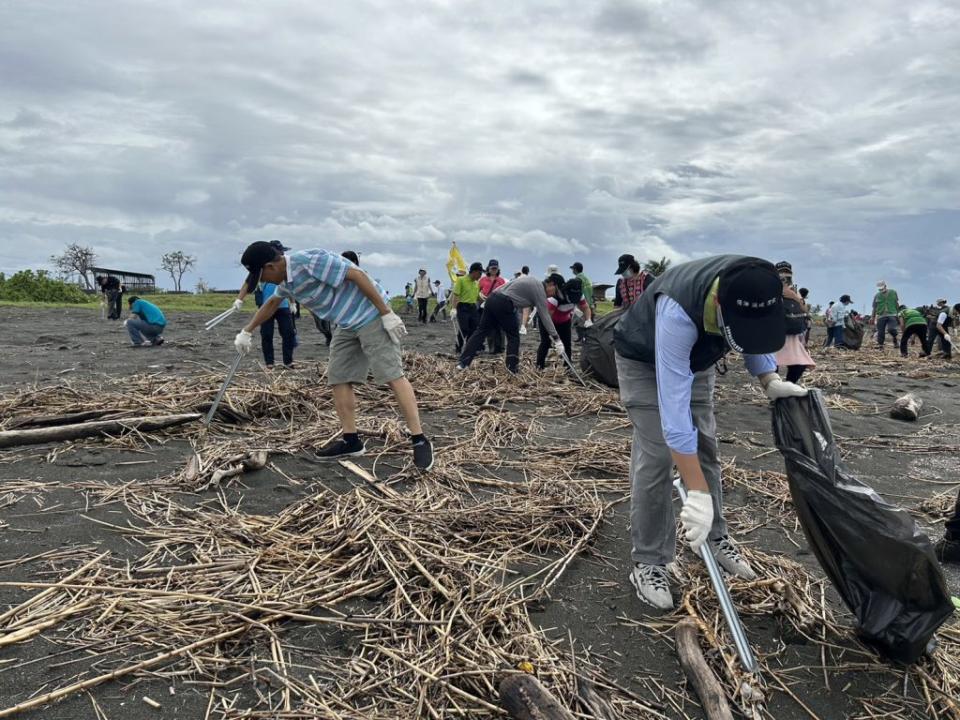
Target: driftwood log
[
  {"x": 906, "y": 407},
  {"x": 33, "y": 436},
  {"x": 524, "y": 698},
  {"x": 704, "y": 682}
]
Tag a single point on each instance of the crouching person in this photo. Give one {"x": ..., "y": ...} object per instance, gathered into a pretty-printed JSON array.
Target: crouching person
[
  {"x": 366, "y": 338},
  {"x": 146, "y": 323},
  {"x": 667, "y": 344}
]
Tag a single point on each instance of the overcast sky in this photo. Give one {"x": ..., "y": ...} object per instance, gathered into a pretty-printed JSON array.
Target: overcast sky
[{"x": 825, "y": 133}]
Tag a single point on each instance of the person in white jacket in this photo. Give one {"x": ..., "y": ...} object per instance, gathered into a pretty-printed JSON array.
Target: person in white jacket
[{"x": 422, "y": 292}]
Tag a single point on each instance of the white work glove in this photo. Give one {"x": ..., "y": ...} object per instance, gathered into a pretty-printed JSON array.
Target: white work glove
[
  {"x": 453, "y": 313},
  {"x": 696, "y": 516},
  {"x": 588, "y": 324},
  {"x": 946, "y": 337},
  {"x": 237, "y": 304},
  {"x": 778, "y": 388},
  {"x": 558, "y": 347},
  {"x": 394, "y": 326},
  {"x": 523, "y": 329},
  {"x": 243, "y": 342}
]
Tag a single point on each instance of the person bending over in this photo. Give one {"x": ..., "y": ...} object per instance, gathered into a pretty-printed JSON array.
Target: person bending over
[
  {"x": 367, "y": 335},
  {"x": 667, "y": 345}
]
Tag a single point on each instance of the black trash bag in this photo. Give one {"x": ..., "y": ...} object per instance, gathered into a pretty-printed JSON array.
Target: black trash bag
[
  {"x": 597, "y": 356},
  {"x": 878, "y": 560},
  {"x": 853, "y": 334}
]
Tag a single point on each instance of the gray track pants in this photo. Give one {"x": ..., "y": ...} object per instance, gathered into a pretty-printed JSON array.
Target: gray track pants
[{"x": 653, "y": 529}]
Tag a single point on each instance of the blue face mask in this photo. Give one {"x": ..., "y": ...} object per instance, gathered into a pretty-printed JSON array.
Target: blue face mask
[{"x": 628, "y": 273}]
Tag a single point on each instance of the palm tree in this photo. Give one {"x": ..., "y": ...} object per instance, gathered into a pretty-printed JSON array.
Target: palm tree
[{"x": 656, "y": 267}]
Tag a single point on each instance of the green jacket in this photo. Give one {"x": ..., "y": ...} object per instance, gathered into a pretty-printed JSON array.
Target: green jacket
[
  {"x": 587, "y": 288},
  {"x": 911, "y": 317},
  {"x": 886, "y": 303}
]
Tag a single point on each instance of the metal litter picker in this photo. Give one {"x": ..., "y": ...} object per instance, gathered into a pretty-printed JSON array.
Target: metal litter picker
[
  {"x": 223, "y": 388},
  {"x": 213, "y": 322},
  {"x": 569, "y": 363},
  {"x": 747, "y": 659}
]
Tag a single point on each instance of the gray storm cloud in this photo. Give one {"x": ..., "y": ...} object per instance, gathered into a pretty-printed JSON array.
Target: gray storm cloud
[{"x": 821, "y": 132}]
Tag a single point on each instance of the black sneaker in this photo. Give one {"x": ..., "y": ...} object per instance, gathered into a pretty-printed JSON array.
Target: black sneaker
[
  {"x": 341, "y": 449},
  {"x": 947, "y": 551},
  {"x": 423, "y": 454}
]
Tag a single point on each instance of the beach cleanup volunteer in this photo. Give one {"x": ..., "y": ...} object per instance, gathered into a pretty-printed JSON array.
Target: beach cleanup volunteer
[
  {"x": 463, "y": 303},
  {"x": 366, "y": 338},
  {"x": 146, "y": 323},
  {"x": 500, "y": 314},
  {"x": 667, "y": 344}
]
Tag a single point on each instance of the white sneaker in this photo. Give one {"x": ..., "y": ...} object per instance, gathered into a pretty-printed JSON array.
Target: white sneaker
[
  {"x": 652, "y": 585},
  {"x": 731, "y": 560}
]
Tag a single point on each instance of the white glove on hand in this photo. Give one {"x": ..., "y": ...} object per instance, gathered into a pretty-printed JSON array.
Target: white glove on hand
[
  {"x": 558, "y": 347},
  {"x": 778, "y": 388},
  {"x": 588, "y": 324},
  {"x": 394, "y": 326},
  {"x": 696, "y": 516},
  {"x": 243, "y": 342},
  {"x": 237, "y": 304},
  {"x": 523, "y": 329},
  {"x": 946, "y": 337},
  {"x": 453, "y": 313}
]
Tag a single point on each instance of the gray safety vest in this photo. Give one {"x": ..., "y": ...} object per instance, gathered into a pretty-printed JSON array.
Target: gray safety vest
[{"x": 688, "y": 285}]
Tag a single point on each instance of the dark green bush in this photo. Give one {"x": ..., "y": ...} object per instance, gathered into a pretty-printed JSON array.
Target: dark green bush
[{"x": 31, "y": 286}]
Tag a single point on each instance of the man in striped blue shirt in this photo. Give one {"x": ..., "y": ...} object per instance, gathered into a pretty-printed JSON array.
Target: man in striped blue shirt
[{"x": 367, "y": 336}]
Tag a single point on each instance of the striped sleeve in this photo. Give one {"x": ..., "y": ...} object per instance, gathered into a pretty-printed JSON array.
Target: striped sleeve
[{"x": 327, "y": 267}]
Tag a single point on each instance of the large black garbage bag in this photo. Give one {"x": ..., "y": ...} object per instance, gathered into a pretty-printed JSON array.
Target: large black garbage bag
[
  {"x": 874, "y": 554},
  {"x": 597, "y": 356}
]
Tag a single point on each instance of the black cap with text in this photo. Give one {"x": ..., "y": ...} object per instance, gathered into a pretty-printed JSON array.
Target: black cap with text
[{"x": 751, "y": 305}]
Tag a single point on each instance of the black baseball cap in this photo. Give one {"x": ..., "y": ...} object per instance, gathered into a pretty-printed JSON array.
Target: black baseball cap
[
  {"x": 493, "y": 264},
  {"x": 751, "y": 305},
  {"x": 279, "y": 246},
  {"x": 254, "y": 258},
  {"x": 476, "y": 267},
  {"x": 623, "y": 262},
  {"x": 577, "y": 267}
]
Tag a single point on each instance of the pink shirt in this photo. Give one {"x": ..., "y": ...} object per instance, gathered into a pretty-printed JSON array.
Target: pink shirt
[
  {"x": 562, "y": 316},
  {"x": 489, "y": 285}
]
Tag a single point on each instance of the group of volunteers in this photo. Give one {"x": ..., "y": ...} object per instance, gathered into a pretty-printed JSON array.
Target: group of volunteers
[
  {"x": 672, "y": 332},
  {"x": 928, "y": 326}
]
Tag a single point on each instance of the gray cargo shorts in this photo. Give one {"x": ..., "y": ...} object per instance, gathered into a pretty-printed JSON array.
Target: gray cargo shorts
[{"x": 355, "y": 353}]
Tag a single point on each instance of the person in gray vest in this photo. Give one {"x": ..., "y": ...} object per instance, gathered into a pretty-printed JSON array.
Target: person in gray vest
[{"x": 666, "y": 345}]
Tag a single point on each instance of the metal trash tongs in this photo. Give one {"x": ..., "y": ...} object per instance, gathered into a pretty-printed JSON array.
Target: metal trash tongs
[
  {"x": 213, "y": 322},
  {"x": 572, "y": 368},
  {"x": 223, "y": 388},
  {"x": 747, "y": 659}
]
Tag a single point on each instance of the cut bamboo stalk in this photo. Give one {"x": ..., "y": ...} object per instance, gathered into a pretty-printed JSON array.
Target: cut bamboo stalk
[
  {"x": 128, "y": 670},
  {"x": 34, "y": 436},
  {"x": 704, "y": 682}
]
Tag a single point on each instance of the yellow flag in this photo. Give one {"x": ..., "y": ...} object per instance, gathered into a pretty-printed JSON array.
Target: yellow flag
[{"x": 455, "y": 262}]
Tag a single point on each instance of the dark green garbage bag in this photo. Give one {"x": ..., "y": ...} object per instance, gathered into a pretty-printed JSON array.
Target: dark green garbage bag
[{"x": 874, "y": 554}]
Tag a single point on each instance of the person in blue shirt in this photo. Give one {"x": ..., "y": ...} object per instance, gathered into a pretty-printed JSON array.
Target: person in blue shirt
[
  {"x": 667, "y": 345},
  {"x": 146, "y": 322},
  {"x": 284, "y": 319}
]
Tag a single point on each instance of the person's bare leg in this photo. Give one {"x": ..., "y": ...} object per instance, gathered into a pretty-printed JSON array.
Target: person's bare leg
[
  {"x": 407, "y": 400},
  {"x": 345, "y": 402}
]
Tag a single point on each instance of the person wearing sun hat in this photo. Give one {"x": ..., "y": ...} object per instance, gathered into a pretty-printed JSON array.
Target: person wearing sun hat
[
  {"x": 488, "y": 285},
  {"x": 667, "y": 344},
  {"x": 367, "y": 335}
]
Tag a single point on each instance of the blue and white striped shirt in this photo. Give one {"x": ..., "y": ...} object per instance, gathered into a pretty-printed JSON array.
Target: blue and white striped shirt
[{"x": 317, "y": 279}]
